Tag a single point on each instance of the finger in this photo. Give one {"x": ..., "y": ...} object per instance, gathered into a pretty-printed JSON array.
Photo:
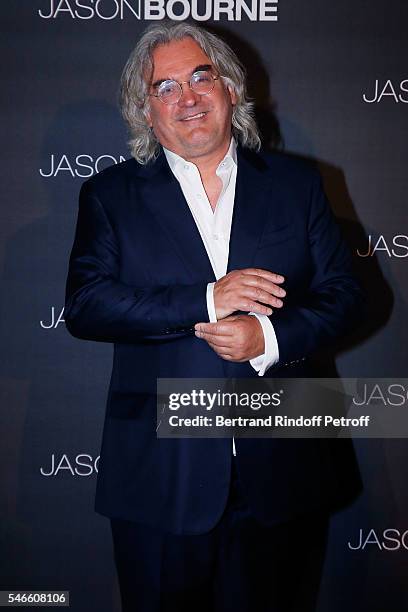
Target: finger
[
  {"x": 251, "y": 306},
  {"x": 263, "y": 285},
  {"x": 271, "y": 276},
  {"x": 216, "y": 340},
  {"x": 221, "y": 328},
  {"x": 259, "y": 295}
]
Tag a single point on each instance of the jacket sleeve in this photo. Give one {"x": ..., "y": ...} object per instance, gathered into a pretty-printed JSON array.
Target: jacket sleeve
[
  {"x": 334, "y": 302},
  {"x": 100, "y": 307}
]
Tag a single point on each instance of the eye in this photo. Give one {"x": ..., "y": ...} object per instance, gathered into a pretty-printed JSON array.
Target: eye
[
  {"x": 167, "y": 89},
  {"x": 202, "y": 77}
]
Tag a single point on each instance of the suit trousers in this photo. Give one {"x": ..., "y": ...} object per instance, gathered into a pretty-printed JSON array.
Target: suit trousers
[{"x": 238, "y": 566}]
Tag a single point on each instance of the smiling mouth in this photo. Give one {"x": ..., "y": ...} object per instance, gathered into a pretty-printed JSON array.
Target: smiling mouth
[{"x": 192, "y": 117}]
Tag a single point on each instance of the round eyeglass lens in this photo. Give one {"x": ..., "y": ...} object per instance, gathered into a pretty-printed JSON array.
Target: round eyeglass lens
[
  {"x": 169, "y": 92},
  {"x": 202, "y": 82}
]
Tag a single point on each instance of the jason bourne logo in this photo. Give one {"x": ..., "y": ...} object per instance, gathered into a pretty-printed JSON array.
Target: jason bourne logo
[
  {"x": 395, "y": 92},
  {"x": 56, "y": 318},
  {"x": 388, "y": 539},
  {"x": 82, "y": 166},
  {"x": 394, "y": 246},
  {"x": 387, "y": 395},
  {"x": 149, "y": 10},
  {"x": 79, "y": 465}
]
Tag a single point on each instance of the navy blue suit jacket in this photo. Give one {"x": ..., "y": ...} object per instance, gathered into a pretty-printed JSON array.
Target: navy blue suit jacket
[{"x": 137, "y": 277}]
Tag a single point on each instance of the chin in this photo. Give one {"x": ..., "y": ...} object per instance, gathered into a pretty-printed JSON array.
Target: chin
[{"x": 202, "y": 142}]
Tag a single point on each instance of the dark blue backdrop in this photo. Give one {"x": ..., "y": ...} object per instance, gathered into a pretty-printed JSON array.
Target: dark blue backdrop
[{"x": 331, "y": 83}]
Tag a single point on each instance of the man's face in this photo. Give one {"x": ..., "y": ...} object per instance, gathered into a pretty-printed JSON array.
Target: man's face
[{"x": 197, "y": 126}]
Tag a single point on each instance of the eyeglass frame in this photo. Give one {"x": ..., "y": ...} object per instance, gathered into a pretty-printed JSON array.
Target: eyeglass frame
[{"x": 181, "y": 83}]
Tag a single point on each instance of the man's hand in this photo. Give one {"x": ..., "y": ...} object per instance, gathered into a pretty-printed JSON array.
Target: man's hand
[
  {"x": 236, "y": 338},
  {"x": 248, "y": 290}
]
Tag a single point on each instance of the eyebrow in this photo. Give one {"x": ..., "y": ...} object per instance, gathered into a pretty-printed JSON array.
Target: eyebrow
[{"x": 196, "y": 69}]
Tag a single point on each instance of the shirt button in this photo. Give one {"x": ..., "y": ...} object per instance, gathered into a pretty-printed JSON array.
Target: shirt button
[{"x": 215, "y": 236}]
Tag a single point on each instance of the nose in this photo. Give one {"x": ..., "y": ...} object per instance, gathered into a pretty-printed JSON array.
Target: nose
[{"x": 188, "y": 96}]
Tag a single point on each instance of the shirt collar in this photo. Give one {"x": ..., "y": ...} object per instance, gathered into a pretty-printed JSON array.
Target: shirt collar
[{"x": 176, "y": 162}]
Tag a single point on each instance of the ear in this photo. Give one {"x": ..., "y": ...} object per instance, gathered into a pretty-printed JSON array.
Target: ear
[{"x": 232, "y": 94}]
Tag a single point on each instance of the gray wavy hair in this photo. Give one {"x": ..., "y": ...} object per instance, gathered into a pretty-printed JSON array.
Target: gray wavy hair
[{"x": 134, "y": 99}]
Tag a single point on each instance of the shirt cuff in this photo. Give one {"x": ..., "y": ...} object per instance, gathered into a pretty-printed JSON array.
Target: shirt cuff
[
  {"x": 271, "y": 354},
  {"x": 212, "y": 315}
]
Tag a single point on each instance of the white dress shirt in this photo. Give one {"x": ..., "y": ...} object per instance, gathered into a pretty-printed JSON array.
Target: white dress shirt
[{"x": 215, "y": 229}]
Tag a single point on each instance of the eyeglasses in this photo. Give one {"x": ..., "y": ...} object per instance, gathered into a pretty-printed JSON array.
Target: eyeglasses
[{"x": 201, "y": 82}]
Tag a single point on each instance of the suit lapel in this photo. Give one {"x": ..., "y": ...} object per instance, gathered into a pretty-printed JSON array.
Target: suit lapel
[
  {"x": 166, "y": 201},
  {"x": 252, "y": 200}
]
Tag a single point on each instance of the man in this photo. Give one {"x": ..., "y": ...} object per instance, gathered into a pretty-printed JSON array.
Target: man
[{"x": 179, "y": 259}]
